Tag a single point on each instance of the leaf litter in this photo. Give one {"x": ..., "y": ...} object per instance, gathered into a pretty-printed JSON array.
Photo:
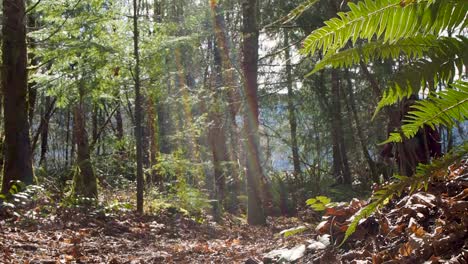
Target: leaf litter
[{"x": 428, "y": 226}]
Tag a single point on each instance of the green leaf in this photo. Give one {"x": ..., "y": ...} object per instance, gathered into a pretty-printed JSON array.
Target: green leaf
[
  {"x": 293, "y": 231},
  {"x": 442, "y": 108},
  {"x": 323, "y": 199}
]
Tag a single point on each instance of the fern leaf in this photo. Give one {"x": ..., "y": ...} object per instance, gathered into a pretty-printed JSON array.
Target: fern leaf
[
  {"x": 391, "y": 96},
  {"x": 442, "y": 108},
  {"x": 440, "y": 66},
  {"x": 409, "y": 48},
  {"x": 388, "y": 20}
]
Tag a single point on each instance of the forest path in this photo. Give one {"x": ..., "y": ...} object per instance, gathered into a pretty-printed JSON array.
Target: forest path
[{"x": 128, "y": 239}]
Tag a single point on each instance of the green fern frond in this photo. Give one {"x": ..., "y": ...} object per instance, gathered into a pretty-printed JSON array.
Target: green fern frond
[
  {"x": 410, "y": 48},
  {"x": 442, "y": 108},
  {"x": 440, "y": 66},
  {"x": 412, "y": 184},
  {"x": 391, "y": 96},
  {"x": 387, "y": 20}
]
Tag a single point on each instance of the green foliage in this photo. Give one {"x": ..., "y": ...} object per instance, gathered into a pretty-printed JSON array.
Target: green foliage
[
  {"x": 320, "y": 203},
  {"x": 180, "y": 199},
  {"x": 19, "y": 196},
  {"x": 404, "y": 28},
  {"x": 75, "y": 201},
  {"x": 442, "y": 108},
  {"x": 117, "y": 207},
  {"x": 409, "y": 48},
  {"x": 293, "y": 231},
  {"x": 410, "y": 30},
  {"x": 424, "y": 172},
  {"x": 387, "y": 20}
]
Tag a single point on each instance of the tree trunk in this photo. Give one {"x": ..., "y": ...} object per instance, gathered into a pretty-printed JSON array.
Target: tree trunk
[
  {"x": 70, "y": 138},
  {"x": 154, "y": 144},
  {"x": 217, "y": 135},
  {"x": 255, "y": 213},
  {"x": 45, "y": 130},
  {"x": 119, "y": 124},
  {"x": 32, "y": 90},
  {"x": 85, "y": 183},
  {"x": 291, "y": 108},
  {"x": 341, "y": 165},
  {"x": 138, "y": 111},
  {"x": 95, "y": 125},
  {"x": 362, "y": 139},
  {"x": 233, "y": 97},
  {"x": 18, "y": 156}
]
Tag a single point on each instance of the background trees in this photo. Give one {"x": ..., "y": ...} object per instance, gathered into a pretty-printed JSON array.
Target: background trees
[{"x": 222, "y": 116}]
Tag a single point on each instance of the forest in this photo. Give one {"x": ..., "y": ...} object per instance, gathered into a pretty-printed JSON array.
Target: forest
[{"x": 234, "y": 131}]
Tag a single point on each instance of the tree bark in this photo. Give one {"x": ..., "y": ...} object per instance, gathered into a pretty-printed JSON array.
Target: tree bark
[
  {"x": 119, "y": 124},
  {"x": 291, "y": 108},
  {"x": 217, "y": 135},
  {"x": 250, "y": 34},
  {"x": 85, "y": 183},
  {"x": 360, "y": 133},
  {"x": 95, "y": 125},
  {"x": 18, "y": 155},
  {"x": 70, "y": 137},
  {"x": 153, "y": 144},
  {"x": 138, "y": 111},
  {"x": 340, "y": 165},
  {"x": 45, "y": 130},
  {"x": 226, "y": 75}
]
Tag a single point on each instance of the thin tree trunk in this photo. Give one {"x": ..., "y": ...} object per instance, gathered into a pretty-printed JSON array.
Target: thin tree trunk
[
  {"x": 255, "y": 213},
  {"x": 154, "y": 144},
  {"x": 138, "y": 111},
  {"x": 119, "y": 124},
  {"x": 291, "y": 108},
  {"x": 217, "y": 135},
  {"x": 45, "y": 132},
  {"x": 70, "y": 140},
  {"x": 341, "y": 165},
  {"x": 18, "y": 155},
  {"x": 362, "y": 139}
]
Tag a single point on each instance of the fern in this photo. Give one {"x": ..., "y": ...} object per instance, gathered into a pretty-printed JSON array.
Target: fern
[
  {"x": 411, "y": 184},
  {"x": 391, "y": 96},
  {"x": 442, "y": 108},
  {"x": 411, "y": 48},
  {"x": 409, "y": 28},
  {"x": 440, "y": 67},
  {"x": 387, "y": 20}
]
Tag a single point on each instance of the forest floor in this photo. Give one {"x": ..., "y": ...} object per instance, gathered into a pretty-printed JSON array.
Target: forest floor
[
  {"x": 74, "y": 237},
  {"x": 427, "y": 226}
]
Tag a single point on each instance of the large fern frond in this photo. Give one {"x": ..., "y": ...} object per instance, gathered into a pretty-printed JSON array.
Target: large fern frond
[
  {"x": 442, "y": 108},
  {"x": 409, "y": 48},
  {"x": 424, "y": 172},
  {"x": 439, "y": 67},
  {"x": 387, "y": 20}
]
